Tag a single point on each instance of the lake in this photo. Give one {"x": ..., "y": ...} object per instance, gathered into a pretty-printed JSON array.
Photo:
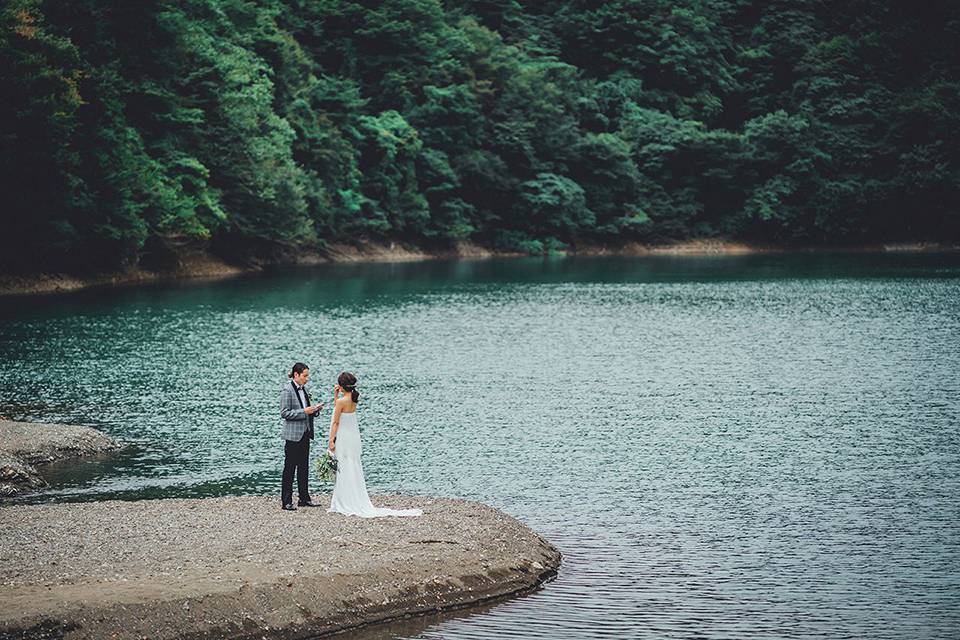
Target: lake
[{"x": 722, "y": 447}]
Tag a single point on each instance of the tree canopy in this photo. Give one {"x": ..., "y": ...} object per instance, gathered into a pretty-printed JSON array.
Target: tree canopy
[{"x": 259, "y": 127}]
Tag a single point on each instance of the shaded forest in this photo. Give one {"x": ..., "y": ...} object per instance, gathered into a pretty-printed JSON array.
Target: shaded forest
[{"x": 255, "y": 129}]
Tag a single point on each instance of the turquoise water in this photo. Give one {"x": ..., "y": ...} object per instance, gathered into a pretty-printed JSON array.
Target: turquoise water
[{"x": 758, "y": 446}]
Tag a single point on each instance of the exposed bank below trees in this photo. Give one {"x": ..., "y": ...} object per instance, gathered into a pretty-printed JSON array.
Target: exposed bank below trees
[{"x": 201, "y": 266}]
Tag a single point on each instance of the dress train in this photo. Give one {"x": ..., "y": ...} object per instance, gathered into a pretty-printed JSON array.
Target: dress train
[{"x": 350, "y": 495}]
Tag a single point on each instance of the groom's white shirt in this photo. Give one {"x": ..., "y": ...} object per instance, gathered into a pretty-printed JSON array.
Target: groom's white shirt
[{"x": 303, "y": 396}]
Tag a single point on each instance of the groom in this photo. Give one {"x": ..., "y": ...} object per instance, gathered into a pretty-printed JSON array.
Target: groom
[{"x": 297, "y": 432}]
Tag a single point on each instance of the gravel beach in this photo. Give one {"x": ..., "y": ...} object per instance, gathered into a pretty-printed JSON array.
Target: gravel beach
[
  {"x": 25, "y": 444},
  {"x": 239, "y": 567}
]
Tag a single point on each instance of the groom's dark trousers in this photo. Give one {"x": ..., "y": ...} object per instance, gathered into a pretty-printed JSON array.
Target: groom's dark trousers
[{"x": 295, "y": 458}]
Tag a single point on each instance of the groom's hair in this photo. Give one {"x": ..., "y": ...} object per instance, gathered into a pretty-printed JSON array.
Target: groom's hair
[{"x": 297, "y": 369}]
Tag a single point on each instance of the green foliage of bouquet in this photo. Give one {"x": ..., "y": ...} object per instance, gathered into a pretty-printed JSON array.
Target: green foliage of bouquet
[{"x": 327, "y": 467}]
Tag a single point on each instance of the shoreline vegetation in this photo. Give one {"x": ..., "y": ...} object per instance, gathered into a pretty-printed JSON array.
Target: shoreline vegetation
[
  {"x": 205, "y": 266},
  {"x": 238, "y": 567},
  {"x": 252, "y": 128}
]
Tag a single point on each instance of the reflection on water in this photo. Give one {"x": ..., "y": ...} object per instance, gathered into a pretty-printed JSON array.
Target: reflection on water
[{"x": 757, "y": 446}]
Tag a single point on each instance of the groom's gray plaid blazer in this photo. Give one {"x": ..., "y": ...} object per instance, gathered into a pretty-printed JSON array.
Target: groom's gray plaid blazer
[{"x": 294, "y": 420}]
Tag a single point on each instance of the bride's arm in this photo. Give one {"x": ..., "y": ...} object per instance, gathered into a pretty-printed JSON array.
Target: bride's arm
[{"x": 334, "y": 425}]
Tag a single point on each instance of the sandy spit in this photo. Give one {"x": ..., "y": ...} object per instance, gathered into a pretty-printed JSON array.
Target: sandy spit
[{"x": 239, "y": 567}]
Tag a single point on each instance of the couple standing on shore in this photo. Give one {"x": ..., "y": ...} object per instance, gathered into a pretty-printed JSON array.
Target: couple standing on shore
[{"x": 350, "y": 495}]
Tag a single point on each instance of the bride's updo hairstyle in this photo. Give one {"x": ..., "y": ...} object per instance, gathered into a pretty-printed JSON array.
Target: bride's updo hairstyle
[{"x": 348, "y": 382}]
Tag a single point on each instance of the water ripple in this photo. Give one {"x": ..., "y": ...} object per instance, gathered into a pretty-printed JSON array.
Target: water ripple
[{"x": 720, "y": 449}]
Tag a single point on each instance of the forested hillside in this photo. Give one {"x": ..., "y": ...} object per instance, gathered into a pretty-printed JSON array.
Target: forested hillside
[{"x": 259, "y": 127}]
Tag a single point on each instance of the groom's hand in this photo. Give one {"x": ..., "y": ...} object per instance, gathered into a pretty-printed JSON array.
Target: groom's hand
[{"x": 313, "y": 409}]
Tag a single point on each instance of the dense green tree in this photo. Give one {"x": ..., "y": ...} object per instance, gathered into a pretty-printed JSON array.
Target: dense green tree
[
  {"x": 259, "y": 128},
  {"x": 39, "y": 77}
]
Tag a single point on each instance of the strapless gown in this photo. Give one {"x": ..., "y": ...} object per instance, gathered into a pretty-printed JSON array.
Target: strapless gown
[{"x": 350, "y": 495}]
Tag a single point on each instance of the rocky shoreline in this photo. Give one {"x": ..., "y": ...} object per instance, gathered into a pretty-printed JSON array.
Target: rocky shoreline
[
  {"x": 23, "y": 445},
  {"x": 239, "y": 567},
  {"x": 206, "y": 267}
]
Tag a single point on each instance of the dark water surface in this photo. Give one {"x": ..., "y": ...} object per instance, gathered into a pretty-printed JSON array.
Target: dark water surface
[{"x": 732, "y": 447}]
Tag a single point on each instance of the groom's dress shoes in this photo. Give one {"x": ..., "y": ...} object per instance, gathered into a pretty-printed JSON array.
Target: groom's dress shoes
[
  {"x": 289, "y": 507},
  {"x": 308, "y": 503}
]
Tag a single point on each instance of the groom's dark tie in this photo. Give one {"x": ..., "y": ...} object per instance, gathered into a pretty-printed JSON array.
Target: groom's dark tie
[{"x": 306, "y": 396}]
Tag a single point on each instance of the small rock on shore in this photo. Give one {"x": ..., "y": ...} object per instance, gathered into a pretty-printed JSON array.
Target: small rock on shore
[{"x": 25, "y": 444}]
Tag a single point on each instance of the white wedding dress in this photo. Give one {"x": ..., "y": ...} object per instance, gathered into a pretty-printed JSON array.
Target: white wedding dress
[{"x": 350, "y": 495}]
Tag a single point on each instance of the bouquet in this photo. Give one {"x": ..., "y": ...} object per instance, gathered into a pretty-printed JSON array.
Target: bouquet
[{"x": 327, "y": 467}]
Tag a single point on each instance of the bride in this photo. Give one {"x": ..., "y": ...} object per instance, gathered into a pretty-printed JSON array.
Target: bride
[{"x": 350, "y": 490}]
